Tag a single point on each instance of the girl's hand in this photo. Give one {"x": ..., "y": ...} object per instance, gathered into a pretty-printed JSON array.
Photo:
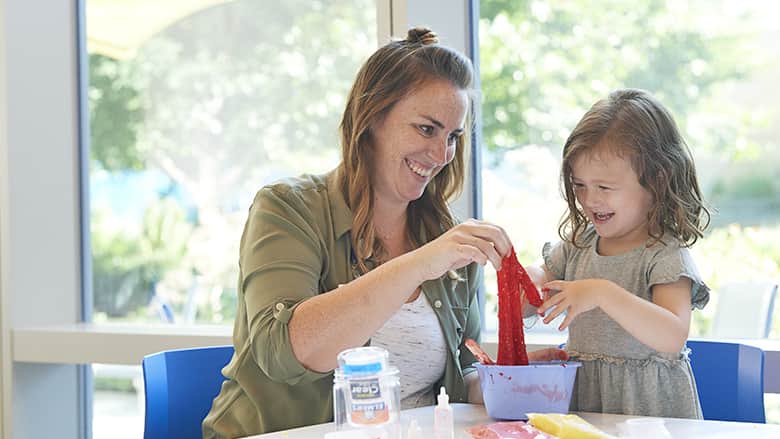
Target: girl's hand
[
  {"x": 537, "y": 274},
  {"x": 471, "y": 241},
  {"x": 574, "y": 297}
]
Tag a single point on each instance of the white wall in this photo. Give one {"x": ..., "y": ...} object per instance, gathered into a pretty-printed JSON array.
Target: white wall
[
  {"x": 5, "y": 345},
  {"x": 39, "y": 224}
]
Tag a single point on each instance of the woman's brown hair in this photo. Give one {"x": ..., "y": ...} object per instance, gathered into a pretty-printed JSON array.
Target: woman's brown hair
[
  {"x": 633, "y": 124},
  {"x": 390, "y": 74}
]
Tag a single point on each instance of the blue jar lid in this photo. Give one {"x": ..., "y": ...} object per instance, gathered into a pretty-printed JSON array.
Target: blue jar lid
[
  {"x": 350, "y": 369},
  {"x": 363, "y": 360}
]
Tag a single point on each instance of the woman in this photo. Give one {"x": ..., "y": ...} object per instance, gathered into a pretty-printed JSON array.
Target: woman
[{"x": 366, "y": 254}]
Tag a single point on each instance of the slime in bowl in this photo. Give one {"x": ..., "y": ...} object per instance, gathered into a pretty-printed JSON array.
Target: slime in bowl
[{"x": 510, "y": 392}]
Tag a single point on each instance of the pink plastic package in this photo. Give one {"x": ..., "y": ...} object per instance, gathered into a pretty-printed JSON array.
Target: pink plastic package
[{"x": 507, "y": 430}]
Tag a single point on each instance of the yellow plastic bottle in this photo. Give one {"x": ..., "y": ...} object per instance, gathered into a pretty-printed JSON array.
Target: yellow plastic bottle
[{"x": 565, "y": 426}]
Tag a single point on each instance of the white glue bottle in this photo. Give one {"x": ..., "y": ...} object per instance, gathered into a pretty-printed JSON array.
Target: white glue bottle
[{"x": 443, "y": 422}]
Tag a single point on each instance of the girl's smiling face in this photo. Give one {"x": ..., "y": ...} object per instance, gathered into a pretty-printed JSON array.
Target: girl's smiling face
[
  {"x": 415, "y": 140},
  {"x": 609, "y": 193}
]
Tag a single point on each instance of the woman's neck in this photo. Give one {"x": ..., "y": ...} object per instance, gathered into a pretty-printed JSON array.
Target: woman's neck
[{"x": 390, "y": 228}]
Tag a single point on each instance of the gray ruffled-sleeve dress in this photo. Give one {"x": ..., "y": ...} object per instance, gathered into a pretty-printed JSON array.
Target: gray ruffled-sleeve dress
[{"x": 620, "y": 374}]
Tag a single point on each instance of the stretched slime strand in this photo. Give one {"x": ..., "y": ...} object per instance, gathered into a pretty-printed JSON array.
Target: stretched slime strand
[{"x": 511, "y": 339}]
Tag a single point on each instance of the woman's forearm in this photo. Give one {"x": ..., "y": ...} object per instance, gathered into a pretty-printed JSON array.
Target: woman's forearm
[{"x": 348, "y": 316}]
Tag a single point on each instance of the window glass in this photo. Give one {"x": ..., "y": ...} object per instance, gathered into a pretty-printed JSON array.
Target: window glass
[
  {"x": 194, "y": 106},
  {"x": 712, "y": 63},
  {"x": 118, "y": 401}
]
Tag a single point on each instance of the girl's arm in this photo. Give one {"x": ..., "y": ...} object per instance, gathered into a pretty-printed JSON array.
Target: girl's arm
[{"x": 662, "y": 324}]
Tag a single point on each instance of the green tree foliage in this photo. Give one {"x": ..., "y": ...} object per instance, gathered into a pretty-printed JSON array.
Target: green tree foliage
[
  {"x": 127, "y": 264},
  {"x": 251, "y": 103},
  {"x": 712, "y": 63},
  {"x": 115, "y": 115},
  {"x": 221, "y": 101},
  {"x": 544, "y": 63}
]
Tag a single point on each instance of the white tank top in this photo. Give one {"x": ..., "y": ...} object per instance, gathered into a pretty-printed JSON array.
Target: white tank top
[{"x": 417, "y": 348}]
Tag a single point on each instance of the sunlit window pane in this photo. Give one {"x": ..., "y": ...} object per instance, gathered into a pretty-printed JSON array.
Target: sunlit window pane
[
  {"x": 714, "y": 64},
  {"x": 118, "y": 401},
  {"x": 194, "y": 105}
]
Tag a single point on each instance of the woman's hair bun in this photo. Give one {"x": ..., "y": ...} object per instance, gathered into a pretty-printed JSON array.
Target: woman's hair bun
[{"x": 421, "y": 35}]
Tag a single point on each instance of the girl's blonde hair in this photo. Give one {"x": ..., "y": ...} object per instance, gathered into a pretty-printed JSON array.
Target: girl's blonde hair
[
  {"x": 635, "y": 125},
  {"x": 391, "y": 73}
]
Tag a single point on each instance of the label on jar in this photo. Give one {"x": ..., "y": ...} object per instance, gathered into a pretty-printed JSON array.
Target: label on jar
[{"x": 366, "y": 405}]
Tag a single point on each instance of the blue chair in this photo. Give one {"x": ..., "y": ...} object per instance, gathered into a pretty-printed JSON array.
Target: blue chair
[
  {"x": 729, "y": 379},
  {"x": 179, "y": 387}
]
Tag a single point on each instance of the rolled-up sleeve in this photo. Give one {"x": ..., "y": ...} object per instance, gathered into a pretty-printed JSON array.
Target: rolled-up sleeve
[{"x": 281, "y": 261}]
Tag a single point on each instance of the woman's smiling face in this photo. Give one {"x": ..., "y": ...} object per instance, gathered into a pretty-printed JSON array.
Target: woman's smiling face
[{"x": 415, "y": 140}]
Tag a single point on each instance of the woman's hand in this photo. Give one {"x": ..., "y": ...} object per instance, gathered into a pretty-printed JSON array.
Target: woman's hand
[
  {"x": 548, "y": 354},
  {"x": 471, "y": 241},
  {"x": 574, "y": 297}
]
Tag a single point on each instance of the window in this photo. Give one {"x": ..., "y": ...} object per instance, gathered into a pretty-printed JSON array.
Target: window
[
  {"x": 193, "y": 107},
  {"x": 712, "y": 63}
]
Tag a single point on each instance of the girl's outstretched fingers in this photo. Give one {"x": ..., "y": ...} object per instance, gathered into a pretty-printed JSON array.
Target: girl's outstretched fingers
[
  {"x": 566, "y": 322},
  {"x": 551, "y": 301},
  {"x": 545, "y": 296},
  {"x": 556, "y": 304},
  {"x": 554, "y": 285}
]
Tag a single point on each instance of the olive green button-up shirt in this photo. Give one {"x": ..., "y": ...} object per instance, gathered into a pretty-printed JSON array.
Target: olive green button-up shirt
[{"x": 296, "y": 244}]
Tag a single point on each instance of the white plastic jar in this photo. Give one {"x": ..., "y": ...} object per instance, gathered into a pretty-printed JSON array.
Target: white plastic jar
[{"x": 366, "y": 393}]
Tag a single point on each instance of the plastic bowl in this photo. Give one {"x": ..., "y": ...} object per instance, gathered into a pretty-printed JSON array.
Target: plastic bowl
[{"x": 510, "y": 392}]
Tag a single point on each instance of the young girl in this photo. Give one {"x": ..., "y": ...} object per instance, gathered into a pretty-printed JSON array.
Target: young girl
[{"x": 623, "y": 273}]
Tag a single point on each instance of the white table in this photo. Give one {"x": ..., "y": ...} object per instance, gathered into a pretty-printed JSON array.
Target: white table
[{"x": 468, "y": 415}]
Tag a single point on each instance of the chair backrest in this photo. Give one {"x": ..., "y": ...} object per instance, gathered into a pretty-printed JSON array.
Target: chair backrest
[
  {"x": 179, "y": 387},
  {"x": 744, "y": 309},
  {"x": 729, "y": 379}
]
